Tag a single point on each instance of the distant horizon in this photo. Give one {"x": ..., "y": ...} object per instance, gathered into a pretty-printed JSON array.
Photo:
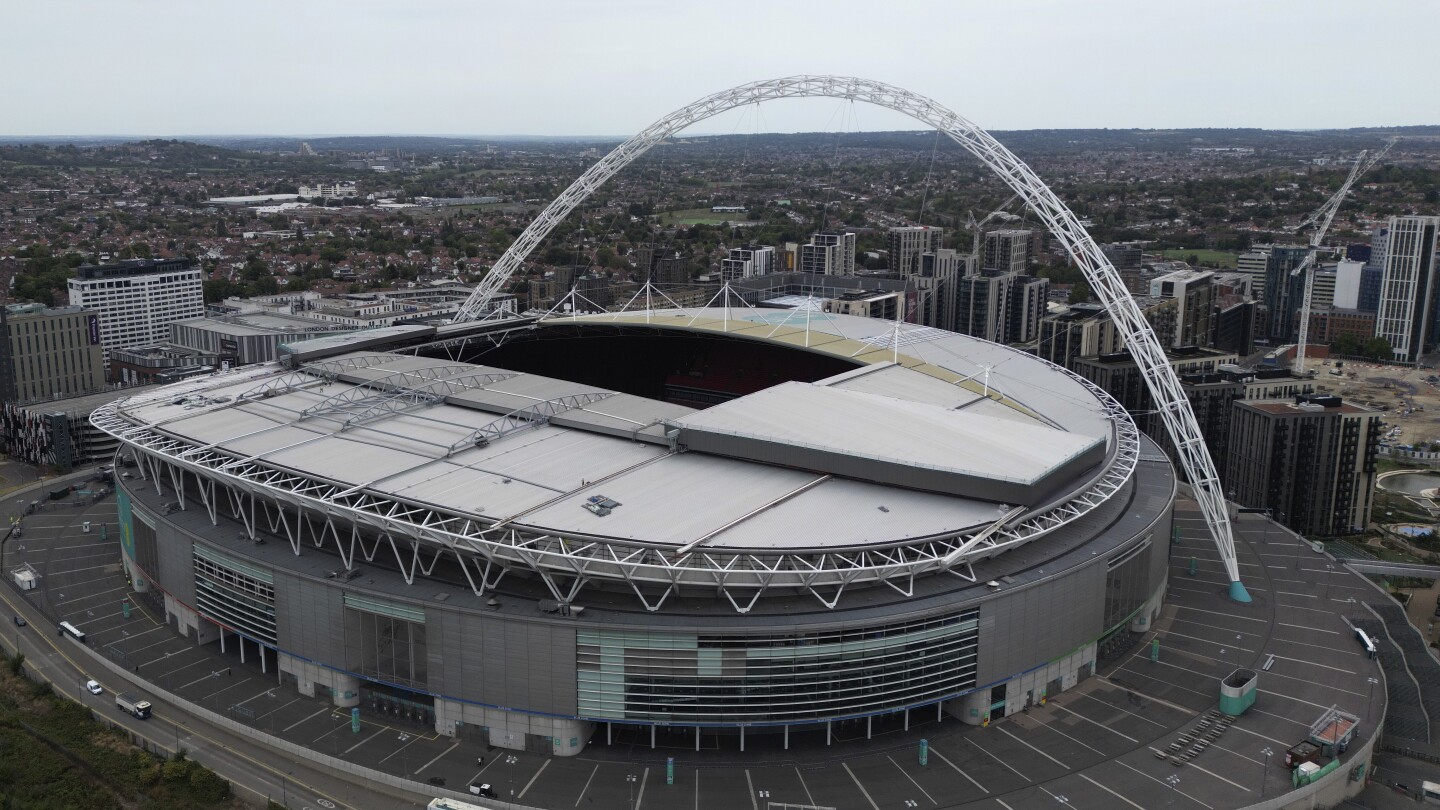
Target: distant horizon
[{"x": 8, "y": 138}]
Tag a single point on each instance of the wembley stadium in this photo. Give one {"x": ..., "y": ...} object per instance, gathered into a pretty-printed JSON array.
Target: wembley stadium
[{"x": 694, "y": 521}]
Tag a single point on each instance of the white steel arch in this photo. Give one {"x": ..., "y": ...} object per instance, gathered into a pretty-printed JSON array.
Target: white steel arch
[{"x": 1104, "y": 281}]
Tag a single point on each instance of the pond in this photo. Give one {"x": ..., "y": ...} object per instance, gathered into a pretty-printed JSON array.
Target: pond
[{"x": 1416, "y": 483}]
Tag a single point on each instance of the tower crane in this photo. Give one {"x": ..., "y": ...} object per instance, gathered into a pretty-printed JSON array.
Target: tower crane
[
  {"x": 1324, "y": 215},
  {"x": 998, "y": 213}
]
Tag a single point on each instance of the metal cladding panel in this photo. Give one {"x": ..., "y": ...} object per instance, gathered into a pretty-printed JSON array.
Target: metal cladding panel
[
  {"x": 555, "y": 458},
  {"x": 310, "y": 619},
  {"x": 348, "y": 461},
  {"x": 219, "y": 425},
  {"x": 467, "y": 489},
  {"x": 1036, "y": 625},
  {"x": 870, "y": 437},
  {"x": 678, "y": 499},
  {"x": 517, "y": 665},
  {"x": 901, "y": 383},
  {"x": 262, "y": 443},
  {"x": 519, "y": 392},
  {"x": 177, "y": 567},
  {"x": 873, "y": 514}
]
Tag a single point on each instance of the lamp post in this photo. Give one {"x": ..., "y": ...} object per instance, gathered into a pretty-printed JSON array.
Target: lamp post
[
  {"x": 1329, "y": 570},
  {"x": 631, "y": 779},
  {"x": 1265, "y": 773},
  {"x": 1370, "y": 703},
  {"x": 1174, "y": 782}
]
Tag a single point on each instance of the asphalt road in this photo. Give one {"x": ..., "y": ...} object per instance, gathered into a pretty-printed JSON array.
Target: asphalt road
[{"x": 251, "y": 768}]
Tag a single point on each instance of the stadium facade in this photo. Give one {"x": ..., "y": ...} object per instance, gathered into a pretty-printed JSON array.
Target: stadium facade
[{"x": 716, "y": 521}]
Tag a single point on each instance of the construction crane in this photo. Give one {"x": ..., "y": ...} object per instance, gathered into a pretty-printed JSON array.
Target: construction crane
[
  {"x": 974, "y": 227},
  {"x": 1324, "y": 215}
]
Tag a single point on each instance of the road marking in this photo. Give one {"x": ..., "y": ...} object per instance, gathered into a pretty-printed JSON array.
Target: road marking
[
  {"x": 1045, "y": 725},
  {"x": 311, "y": 717},
  {"x": 1308, "y": 627},
  {"x": 999, "y": 760},
  {"x": 592, "y": 776},
  {"x": 1315, "y": 683},
  {"x": 1002, "y": 730},
  {"x": 1212, "y": 773},
  {"x": 1004, "y": 805},
  {"x": 912, "y": 780},
  {"x": 543, "y": 766},
  {"x": 363, "y": 740},
  {"x": 947, "y": 762},
  {"x": 1308, "y": 663},
  {"x": 408, "y": 743},
  {"x": 438, "y": 756},
  {"x": 1261, "y": 736},
  {"x": 1179, "y": 620},
  {"x": 1218, "y": 613},
  {"x": 1111, "y": 792},
  {"x": 1108, "y": 704},
  {"x": 1225, "y": 644},
  {"x": 1321, "y": 706},
  {"x": 645, "y": 777},
  {"x": 1176, "y": 706},
  {"x": 1095, "y": 722},
  {"x": 808, "y": 797},
  {"x": 863, "y": 791},
  {"x": 1160, "y": 782},
  {"x": 88, "y": 596},
  {"x": 754, "y": 803}
]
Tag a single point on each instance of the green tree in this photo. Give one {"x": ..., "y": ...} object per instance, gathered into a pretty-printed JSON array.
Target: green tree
[
  {"x": 1080, "y": 292},
  {"x": 1378, "y": 348}
]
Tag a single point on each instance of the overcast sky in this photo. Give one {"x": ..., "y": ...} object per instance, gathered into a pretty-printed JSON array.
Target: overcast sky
[{"x": 612, "y": 67}]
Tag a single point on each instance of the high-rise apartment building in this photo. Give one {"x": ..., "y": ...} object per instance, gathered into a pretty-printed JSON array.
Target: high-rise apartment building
[
  {"x": 829, "y": 253},
  {"x": 1252, "y": 266},
  {"x": 662, "y": 265},
  {"x": 1194, "y": 294},
  {"x": 747, "y": 262},
  {"x": 49, "y": 353},
  {"x": 1006, "y": 251},
  {"x": 1000, "y": 307},
  {"x": 136, "y": 301},
  {"x": 1284, "y": 291},
  {"x": 1408, "y": 289},
  {"x": 1310, "y": 461},
  {"x": 932, "y": 289},
  {"x": 907, "y": 244}
]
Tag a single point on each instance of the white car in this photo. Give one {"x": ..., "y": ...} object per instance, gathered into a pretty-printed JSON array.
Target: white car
[{"x": 94, "y": 687}]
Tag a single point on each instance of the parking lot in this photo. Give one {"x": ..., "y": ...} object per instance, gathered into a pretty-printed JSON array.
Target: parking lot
[{"x": 1091, "y": 747}]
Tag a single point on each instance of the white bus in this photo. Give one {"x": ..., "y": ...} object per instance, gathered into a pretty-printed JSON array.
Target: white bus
[
  {"x": 452, "y": 804},
  {"x": 1365, "y": 642},
  {"x": 66, "y": 628},
  {"x": 1429, "y": 793}
]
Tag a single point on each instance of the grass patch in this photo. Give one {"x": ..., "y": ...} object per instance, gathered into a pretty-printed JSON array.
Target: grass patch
[
  {"x": 699, "y": 216},
  {"x": 1204, "y": 258},
  {"x": 54, "y": 755}
]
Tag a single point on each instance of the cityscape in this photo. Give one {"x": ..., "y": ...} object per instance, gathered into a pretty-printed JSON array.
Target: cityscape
[{"x": 817, "y": 446}]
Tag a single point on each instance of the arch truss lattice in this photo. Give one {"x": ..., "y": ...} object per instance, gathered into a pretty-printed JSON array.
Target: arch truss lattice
[{"x": 1101, "y": 275}]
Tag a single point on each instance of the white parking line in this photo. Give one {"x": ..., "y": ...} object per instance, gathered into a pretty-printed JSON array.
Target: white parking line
[
  {"x": 1002, "y": 730},
  {"x": 1308, "y": 627},
  {"x": 1108, "y": 704},
  {"x": 808, "y": 797},
  {"x": 543, "y": 766},
  {"x": 587, "y": 786},
  {"x": 1218, "y": 613},
  {"x": 863, "y": 791},
  {"x": 311, "y": 717},
  {"x": 945, "y": 760},
  {"x": 408, "y": 743},
  {"x": 999, "y": 760},
  {"x": 71, "y": 585},
  {"x": 912, "y": 780},
  {"x": 1308, "y": 663},
  {"x": 1160, "y": 782},
  {"x": 1095, "y": 722},
  {"x": 1111, "y": 792},
  {"x": 645, "y": 777}
]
